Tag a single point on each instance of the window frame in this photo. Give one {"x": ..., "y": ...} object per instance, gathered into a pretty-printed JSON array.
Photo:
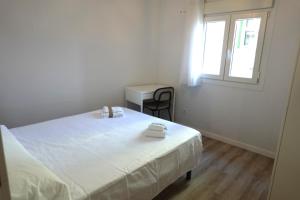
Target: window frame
[
  {"x": 227, "y": 20},
  {"x": 227, "y": 53},
  {"x": 259, "y": 47}
]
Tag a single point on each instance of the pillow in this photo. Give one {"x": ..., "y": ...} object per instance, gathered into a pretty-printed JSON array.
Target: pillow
[{"x": 28, "y": 178}]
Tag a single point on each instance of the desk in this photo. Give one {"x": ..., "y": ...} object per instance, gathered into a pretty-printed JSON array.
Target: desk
[{"x": 137, "y": 94}]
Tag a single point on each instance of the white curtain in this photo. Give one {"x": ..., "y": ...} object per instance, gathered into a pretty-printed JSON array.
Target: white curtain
[{"x": 194, "y": 43}]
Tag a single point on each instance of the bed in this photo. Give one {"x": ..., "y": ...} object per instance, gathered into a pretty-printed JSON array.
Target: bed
[{"x": 112, "y": 158}]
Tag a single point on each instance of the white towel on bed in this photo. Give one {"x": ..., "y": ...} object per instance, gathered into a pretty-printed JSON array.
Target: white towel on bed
[
  {"x": 157, "y": 127},
  {"x": 156, "y": 130},
  {"x": 156, "y": 134},
  {"x": 114, "y": 113}
]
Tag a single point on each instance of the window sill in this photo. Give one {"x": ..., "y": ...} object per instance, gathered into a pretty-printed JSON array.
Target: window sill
[{"x": 225, "y": 83}]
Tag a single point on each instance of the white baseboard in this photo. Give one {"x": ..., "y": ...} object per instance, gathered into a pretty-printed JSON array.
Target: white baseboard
[{"x": 242, "y": 145}]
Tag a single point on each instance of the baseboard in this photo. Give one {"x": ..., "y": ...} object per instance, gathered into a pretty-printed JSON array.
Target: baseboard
[{"x": 242, "y": 145}]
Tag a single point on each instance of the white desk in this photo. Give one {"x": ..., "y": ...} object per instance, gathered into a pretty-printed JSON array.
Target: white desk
[{"x": 137, "y": 94}]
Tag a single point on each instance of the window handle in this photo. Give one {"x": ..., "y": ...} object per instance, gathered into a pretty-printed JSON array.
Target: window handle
[{"x": 229, "y": 54}]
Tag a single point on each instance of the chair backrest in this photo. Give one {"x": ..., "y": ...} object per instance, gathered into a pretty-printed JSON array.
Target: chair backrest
[
  {"x": 164, "y": 95},
  {"x": 4, "y": 185}
]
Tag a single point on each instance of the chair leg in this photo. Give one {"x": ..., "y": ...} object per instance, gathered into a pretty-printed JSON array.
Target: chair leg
[
  {"x": 158, "y": 113},
  {"x": 170, "y": 116},
  {"x": 153, "y": 113}
]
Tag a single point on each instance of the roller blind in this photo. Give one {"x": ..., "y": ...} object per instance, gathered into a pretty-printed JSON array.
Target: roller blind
[{"x": 223, "y": 6}]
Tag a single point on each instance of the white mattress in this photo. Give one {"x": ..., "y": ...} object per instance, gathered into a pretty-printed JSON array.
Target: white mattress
[{"x": 112, "y": 158}]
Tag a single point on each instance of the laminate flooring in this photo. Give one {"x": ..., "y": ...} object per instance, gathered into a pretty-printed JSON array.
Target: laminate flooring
[{"x": 225, "y": 173}]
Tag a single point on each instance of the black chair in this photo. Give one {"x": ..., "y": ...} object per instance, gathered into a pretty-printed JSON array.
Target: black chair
[{"x": 162, "y": 100}]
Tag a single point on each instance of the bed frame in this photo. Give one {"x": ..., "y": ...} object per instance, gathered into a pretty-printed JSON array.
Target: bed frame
[
  {"x": 189, "y": 175},
  {"x": 4, "y": 185}
]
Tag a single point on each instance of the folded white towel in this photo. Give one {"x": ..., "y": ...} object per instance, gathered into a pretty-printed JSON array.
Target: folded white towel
[
  {"x": 105, "y": 109},
  {"x": 111, "y": 112},
  {"x": 156, "y": 134},
  {"x": 117, "y": 110},
  {"x": 157, "y": 127}
]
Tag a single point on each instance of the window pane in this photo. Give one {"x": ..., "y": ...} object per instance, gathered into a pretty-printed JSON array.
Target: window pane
[
  {"x": 244, "y": 47},
  {"x": 213, "y": 47}
]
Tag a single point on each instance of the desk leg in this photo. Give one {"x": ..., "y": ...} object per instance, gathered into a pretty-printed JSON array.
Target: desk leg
[
  {"x": 173, "y": 108},
  {"x": 142, "y": 106}
]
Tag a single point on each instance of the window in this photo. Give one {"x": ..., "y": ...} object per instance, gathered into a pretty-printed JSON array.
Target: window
[
  {"x": 233, "y": 46},
  {"x": 215, "y": 46}
]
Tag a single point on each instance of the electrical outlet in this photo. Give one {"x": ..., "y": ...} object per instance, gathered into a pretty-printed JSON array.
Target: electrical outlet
[{"x": 182, "y": 12}]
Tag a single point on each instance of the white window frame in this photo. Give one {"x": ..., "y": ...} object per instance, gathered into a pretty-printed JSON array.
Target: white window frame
[
  {"x": 225, "y": 18},
  {"x": 259, "y": 47},
  {"x": 228, "y": 45}
]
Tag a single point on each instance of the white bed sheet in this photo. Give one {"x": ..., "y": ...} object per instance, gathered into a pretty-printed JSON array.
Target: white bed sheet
[{"x": 112, "y": 158}]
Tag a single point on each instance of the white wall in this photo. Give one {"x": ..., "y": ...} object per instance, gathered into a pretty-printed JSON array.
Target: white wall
[
  {"x": 61, "y": 57},
  {"x": 250, "y": 115}
]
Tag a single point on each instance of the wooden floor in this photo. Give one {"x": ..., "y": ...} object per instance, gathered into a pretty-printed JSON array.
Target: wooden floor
[{"x": 225, "y": 173}]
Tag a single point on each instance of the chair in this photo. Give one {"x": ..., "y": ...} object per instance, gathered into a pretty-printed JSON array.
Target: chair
[{"x": 162, "y": 100}]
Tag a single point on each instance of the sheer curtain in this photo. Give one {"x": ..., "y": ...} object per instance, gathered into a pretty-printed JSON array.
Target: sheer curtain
[{"x": 193, "y": 44}]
